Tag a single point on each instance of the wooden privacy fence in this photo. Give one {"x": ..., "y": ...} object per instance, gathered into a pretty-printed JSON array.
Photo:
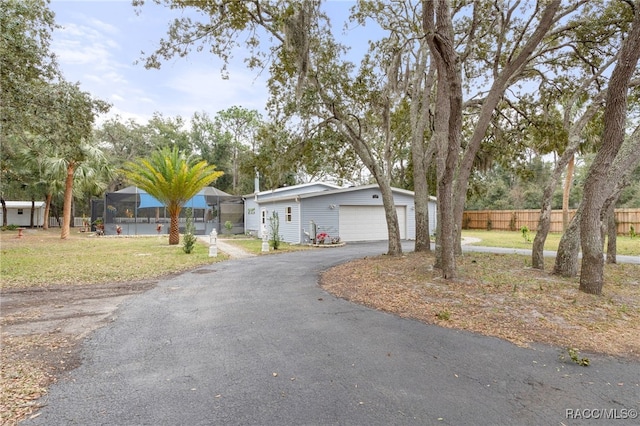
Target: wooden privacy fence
[{"x": 513, "y": 220}]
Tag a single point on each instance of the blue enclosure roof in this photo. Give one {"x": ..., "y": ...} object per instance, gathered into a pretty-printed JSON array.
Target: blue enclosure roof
[{"x": 196, "y": 202}]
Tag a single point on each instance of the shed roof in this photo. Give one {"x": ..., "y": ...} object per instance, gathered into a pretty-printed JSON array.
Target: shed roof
[{"x": 23, "y": 204}]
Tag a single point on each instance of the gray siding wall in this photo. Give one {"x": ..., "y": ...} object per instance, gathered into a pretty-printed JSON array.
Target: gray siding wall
[
  {"x": 318, "y": 209},
  {"x": 251, "y": 217},
  {"x": 289, "y": 231}
]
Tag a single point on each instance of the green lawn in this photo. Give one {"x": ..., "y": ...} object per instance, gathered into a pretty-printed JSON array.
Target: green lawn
[
  {"x": 625, "y": 244},
  {"x": 42, "y": 259}
]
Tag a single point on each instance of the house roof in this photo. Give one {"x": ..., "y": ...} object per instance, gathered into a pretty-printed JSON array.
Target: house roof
[
  {"x": 23, "y": 204},
  {"x": 284, "y": 189},
  {"x": 356, "y": 188},
  {"x": 338, "y": 190}
]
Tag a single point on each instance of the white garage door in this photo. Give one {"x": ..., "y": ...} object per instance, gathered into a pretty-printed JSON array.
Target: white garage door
[{"x": 368, "y": 223}]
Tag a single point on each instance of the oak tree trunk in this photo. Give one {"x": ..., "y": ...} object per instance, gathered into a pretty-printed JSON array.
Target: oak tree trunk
[
  {"x": 537, "y": 250},
  {"x": 421, "y": 154},
  {"x": 544, "y": 222},
  {"x": 566, "y": 263},
  {"x": 438, "y": 27},
  {"x": 566, "y": 192},
  {"x": 598, "y": 187},
  {"x": 394, "y": 248},
  {"x": 502, "y": 80},
  {"x": 612, "y": 234},
  {"x": 421, "y": 201},
  {"x": 609, "y": 226}
]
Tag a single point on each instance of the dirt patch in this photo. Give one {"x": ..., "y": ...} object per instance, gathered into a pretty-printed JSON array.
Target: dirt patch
[
  {"x": 76, "y": 310},
  {"x": 42, "y": 329}
]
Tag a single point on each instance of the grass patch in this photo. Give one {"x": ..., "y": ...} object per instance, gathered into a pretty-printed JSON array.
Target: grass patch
[
  {"x": 513, "y": 239},
  {"x": 42, "y": 259}
]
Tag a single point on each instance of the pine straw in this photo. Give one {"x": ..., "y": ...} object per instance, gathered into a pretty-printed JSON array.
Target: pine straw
[
  {"x": 497, "y": 295},
  {"x": 30, "y": 363}
]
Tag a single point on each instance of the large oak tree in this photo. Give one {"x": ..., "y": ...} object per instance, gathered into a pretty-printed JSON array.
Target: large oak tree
[{"x": 602, "y": 177}]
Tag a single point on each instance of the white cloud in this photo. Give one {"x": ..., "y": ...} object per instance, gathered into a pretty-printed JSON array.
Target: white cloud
[
  {"x": 82, "y": 44},
  {"x": 99, "y": 43},
  {"x": 101, "y": 26},
  {"x": 204, "y": 89},
  {"x": 124, "y": 115}
]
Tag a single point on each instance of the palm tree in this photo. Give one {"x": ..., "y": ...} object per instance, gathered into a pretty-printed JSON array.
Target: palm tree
[
  {"x": 38, "y": 164},
  {"x": 172, "y": 178}
]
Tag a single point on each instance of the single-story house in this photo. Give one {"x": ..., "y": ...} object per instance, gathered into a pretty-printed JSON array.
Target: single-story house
[
  {"x": 19, "y": 213},
  {"x": 350, "y": 213}
]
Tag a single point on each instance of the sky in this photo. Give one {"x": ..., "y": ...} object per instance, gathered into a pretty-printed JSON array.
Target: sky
[{"x": 100, "y": 41}]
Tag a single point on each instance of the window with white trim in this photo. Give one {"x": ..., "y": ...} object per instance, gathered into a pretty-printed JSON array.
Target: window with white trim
[{"x": 288, "y": 214}]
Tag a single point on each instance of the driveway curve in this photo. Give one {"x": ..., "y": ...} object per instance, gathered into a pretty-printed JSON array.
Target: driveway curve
[{"x": 256, "y": 341}]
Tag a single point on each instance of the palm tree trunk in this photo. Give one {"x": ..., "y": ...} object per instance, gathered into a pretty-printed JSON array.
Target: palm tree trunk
[
  {"x": 47, "y": 211},
  {"x": 174, "y": 226},
  {"x": 4, "y": 211},
  {"x": 68, "y": 198}
]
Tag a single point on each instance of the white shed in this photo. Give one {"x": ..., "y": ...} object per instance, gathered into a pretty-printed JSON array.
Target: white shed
[{"x": 19, "y": 213}]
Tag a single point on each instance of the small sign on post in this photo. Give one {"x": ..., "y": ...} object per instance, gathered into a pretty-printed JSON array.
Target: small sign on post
[{"x": 213, "y": 243}]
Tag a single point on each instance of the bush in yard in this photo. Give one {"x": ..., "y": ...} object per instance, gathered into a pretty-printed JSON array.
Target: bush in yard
[
  {"x": 274, "y": 225},
  {"x": 228, "y": 226},
  {"x": 189, "y": 234}
]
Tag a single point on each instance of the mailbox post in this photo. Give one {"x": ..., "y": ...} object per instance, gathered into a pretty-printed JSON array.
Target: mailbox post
[
  {"x": 213, "y": 243},
  {"x": 265, "y": 239}
]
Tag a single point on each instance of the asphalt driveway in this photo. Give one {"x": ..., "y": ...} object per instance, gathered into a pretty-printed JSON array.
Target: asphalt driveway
[{"x": 256, "y": 341}]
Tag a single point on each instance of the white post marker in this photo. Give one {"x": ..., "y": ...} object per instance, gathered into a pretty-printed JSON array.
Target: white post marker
[
  {"x": 265, "y": 239},
  {"x": 213, "y": 243}
]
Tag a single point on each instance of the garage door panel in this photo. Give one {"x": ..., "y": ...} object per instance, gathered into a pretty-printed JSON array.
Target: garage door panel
[{"x": 368, "y": 223}]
